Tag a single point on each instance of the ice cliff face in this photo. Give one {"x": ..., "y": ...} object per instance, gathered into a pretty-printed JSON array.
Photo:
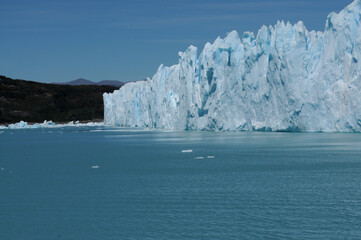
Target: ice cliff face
[{"x": 284, "y": 79}]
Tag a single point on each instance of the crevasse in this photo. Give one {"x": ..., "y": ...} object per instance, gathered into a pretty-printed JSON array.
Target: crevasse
[{"x": 284, "y": 79}]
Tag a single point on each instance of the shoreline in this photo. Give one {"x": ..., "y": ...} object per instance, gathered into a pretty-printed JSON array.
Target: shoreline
[
  {"x": 55, "y": 122},
  {"x": 51, "y": 124}
]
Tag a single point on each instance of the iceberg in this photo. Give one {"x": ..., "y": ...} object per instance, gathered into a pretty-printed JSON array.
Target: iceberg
[{"x": 285, "y": 78}]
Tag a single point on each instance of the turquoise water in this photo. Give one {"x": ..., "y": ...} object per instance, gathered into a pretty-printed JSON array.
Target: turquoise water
[{"x": 257, "y": 186}]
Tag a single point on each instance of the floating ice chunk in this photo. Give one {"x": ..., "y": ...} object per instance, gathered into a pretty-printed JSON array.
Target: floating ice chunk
[
  {"x": 199, "y": 158},
  {"x": 95, "y": 167},
  {"x": 211, "y": 157},
  {"x": 187, "y": 151},
  {"x": 20, "y": 124},
  {"x": 49, "y": 123}
]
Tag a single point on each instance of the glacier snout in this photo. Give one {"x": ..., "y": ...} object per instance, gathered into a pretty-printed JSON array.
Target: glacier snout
[{"x": 284, "y": 79}]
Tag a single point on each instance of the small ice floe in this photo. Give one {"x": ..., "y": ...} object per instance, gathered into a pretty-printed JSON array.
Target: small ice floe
[
  {"x": 95, "y": 167},
  {"x": 187, "y": 151},
  {"x": 211, "y": 157},
  {"x": 199, "y": 158}
]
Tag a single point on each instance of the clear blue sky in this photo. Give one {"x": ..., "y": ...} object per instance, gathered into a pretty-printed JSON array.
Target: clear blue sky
[{"x": 57, "y": 41}]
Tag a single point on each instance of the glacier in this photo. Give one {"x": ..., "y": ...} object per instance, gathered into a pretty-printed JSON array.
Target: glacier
[{"x": 285, "y": 78}]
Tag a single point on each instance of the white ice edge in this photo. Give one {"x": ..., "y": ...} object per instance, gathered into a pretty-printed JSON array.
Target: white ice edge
[{"x": 50, "y": 124}]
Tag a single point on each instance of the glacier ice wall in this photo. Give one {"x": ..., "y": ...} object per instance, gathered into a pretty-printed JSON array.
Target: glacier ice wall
[{"x": 284, "y": 79}]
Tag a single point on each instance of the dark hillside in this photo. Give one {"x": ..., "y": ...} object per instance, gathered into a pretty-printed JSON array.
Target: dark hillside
[{"x": 35, "y": 102}]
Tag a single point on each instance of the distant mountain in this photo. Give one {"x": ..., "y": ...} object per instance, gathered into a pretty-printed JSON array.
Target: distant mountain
[
  {"x": 79, "y": 81},
  {"x": 114, "y": 83},
  {"x": 82, "y": 81}
]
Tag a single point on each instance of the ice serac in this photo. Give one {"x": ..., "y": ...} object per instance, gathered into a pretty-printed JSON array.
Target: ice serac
[{"x": 284, "y": 79}]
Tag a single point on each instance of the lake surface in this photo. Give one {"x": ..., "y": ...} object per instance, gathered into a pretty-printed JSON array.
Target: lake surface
[{"x": 105, "y": 183}]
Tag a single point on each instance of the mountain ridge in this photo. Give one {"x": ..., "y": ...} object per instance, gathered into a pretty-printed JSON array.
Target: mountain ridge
[{"x": 82, "y": 81}]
